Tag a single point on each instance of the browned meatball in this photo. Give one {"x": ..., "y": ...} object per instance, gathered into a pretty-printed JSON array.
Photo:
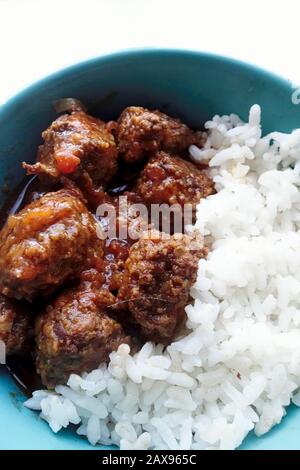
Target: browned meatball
[
  {"x": 15, "y": 322},
  {"x": 78, "y": 146},
  {"x": 47, "y": 243},
  {"x": 158, "y": 275},
  {"x": 75, "y": 334},
  {"x": 171, "y": 180},
  {"x": 141, "y": 131}
]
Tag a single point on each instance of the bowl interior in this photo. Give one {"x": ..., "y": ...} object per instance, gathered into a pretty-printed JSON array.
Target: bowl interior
[{"x": 190, "y": 85}]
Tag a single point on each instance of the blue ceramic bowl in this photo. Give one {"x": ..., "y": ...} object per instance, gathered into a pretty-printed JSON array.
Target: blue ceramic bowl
[{"x": 192, "y": 85}]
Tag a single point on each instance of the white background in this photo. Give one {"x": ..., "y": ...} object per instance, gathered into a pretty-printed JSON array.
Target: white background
[{"x": 40, "y": 36}]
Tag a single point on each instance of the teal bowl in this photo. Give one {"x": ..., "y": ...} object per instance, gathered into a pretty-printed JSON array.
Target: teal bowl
[{"x": 192, "y": 85}]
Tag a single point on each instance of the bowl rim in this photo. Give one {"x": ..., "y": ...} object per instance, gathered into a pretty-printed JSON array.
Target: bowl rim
[{"x": 19, "y": 94}]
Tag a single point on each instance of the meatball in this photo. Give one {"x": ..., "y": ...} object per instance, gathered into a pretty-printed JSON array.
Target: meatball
[
  {"x": 15, "y": 323},
  {"x": 47, "y": 243},
  {"x": 78, "y": 146},
  {"x": 158, "y": 275},
  {"x": 171, "y": 180},
  {"x": 75, "y": 334},
  {"x": 140, "y": 132}
]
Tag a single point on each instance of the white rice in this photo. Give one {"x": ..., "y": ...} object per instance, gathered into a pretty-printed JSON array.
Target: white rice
[{"x": 238, "y": 366}]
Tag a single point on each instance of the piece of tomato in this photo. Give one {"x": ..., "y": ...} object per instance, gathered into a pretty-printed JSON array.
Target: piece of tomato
[{"x": 67, "y": 164}]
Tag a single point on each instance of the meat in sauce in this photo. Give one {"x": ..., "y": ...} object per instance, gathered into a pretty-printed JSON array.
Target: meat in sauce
[
  {"x": 172, "y": 180},
  {"x": 141, "y": 132},
  {"x": 79, "y": 146},
  {"x": 156, "y": 283},
  {"x": 90, "y": 290},
  {"x": 15, "y": 326},
  {"x": 74, "y": 334}
]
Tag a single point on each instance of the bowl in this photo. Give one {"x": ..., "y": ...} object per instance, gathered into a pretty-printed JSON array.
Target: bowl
[{"x": 191, "y": 85}]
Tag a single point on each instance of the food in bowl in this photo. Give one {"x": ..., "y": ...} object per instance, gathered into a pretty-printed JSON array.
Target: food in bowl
[
  {"x": 99, "y": 292},
  {"x": 193, "y": 363}
]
